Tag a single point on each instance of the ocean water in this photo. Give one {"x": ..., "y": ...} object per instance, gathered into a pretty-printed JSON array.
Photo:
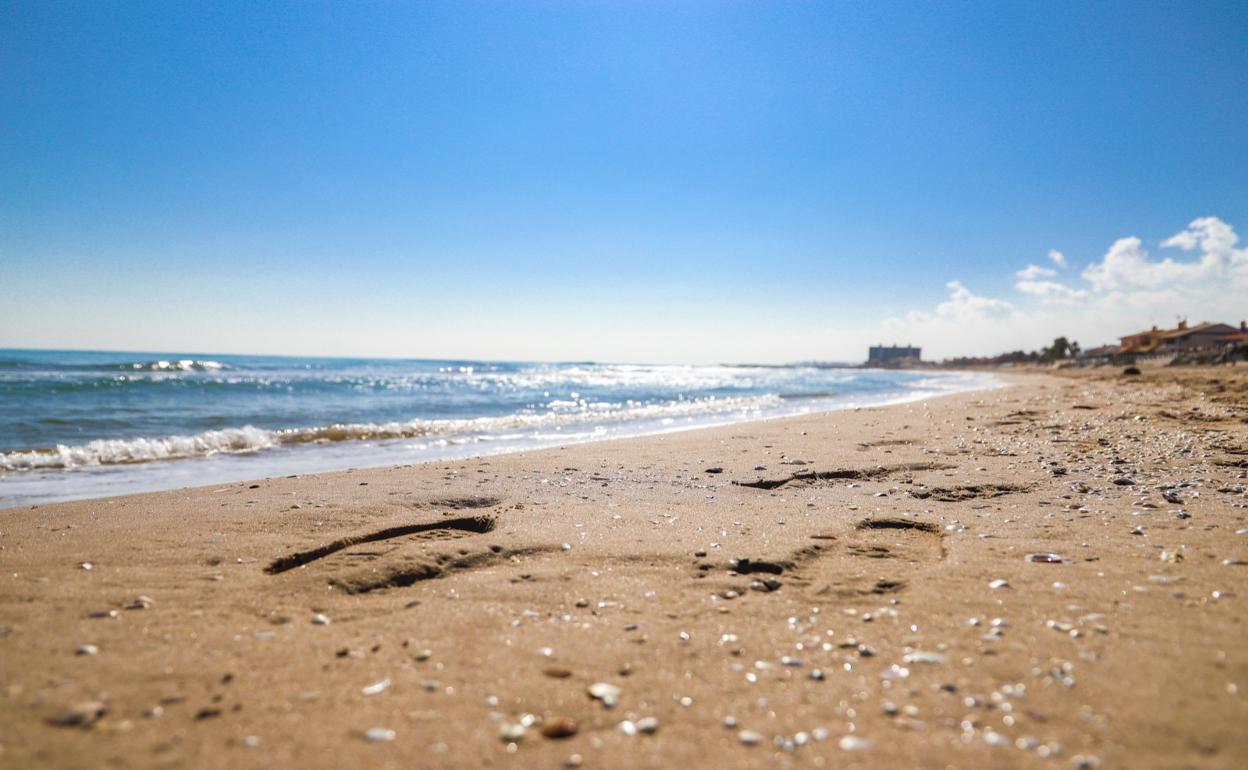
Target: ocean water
[{"x": 93, "y": 424}]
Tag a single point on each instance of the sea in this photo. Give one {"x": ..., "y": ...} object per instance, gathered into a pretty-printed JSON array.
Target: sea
[{"x": 78, "y": 425}]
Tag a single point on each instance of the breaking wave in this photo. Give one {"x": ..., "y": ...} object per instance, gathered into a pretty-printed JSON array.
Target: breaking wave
[
  {"x": 183, "y": 365},
  {"x": 250, "y": 439},
  {"x": 153, "y": 365}
]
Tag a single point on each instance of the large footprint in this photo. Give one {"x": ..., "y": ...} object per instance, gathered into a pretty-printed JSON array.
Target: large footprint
[
  {"x": 879, "y": 556},
  {"x": 812, "y": 477},
  {"x": 407, "y": 555}
]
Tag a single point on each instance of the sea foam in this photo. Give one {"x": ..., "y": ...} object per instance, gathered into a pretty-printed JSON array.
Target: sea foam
[{"x": 252, "y": 439}]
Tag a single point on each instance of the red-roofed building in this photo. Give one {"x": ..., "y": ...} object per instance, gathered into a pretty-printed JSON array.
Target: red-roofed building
[
  {"x": 1238, "y": 338},
  {"x": 1140, "y": 342},
  {"x": 1203, "y": 335}
]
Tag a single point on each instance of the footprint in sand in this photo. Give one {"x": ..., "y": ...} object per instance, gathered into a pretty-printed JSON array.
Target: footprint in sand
[
  {"x": 899, "y": 550},
  {"x": 879, "y": 556},
  {"x": 811, "y": 477},
  {"x": 406, "y": 555},
  {"x": 968, "y": 492}
]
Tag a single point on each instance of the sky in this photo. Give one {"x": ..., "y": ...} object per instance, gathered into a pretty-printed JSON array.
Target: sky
[{"x": 618, "y": 181}]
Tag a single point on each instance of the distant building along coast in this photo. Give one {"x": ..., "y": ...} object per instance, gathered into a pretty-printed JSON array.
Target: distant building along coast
[
  {"x": 893, "y": 355},
  {"x": 1202, "y": 343},
  {"x": 1216, "y": 342}
]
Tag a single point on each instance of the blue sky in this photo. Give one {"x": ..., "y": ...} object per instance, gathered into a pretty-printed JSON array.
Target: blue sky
[{"x": 618, "y": 181}]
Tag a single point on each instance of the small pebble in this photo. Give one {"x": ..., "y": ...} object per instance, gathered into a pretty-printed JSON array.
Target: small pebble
[
  {"x": 378, "y": 734},
  {"x": 994, "y": 738},
  {"x": 1044, "y": 558},
  {"x": 560, "y": 727},
  {"x": 82, "y": 715},
  {"x": 511, "y": 731}
]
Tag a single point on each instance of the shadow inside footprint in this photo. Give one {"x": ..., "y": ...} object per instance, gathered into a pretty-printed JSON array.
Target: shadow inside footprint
[
  {"x": 967, "y": 492},
  {"x": 894, "y": 523},
  {"x": 850, "y": 474},
  {"x": 414, "y": 568},
  {"x": 474, "y": 525}
]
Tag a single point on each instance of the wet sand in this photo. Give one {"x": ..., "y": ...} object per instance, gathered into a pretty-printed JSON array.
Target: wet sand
[{"x": 844, "y": 590}]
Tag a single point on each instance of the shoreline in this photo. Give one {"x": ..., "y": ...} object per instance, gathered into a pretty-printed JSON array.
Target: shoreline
[
  {"x": 314, "y": 464},
  {"x": 803, "y": 591}
]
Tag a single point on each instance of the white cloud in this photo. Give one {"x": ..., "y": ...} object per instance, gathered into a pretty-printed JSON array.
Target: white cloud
[
  {"x": 1032, "y": 272},
  {"x": 1051, "y": 291},
  {"x": 964, "y": 305},
  {"x": 961, "y": 314},
  {"x": 1126, "y": 290},
  {"x": 1127, "y": 265},
  {"x": 1216, "y": 240}
]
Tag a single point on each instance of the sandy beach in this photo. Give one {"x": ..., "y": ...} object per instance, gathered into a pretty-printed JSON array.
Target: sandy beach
[{"x": 1050, "y": 574}]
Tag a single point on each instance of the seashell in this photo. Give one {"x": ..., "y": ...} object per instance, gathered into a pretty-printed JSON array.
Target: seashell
[
  {"x": 609, "y": 694},
  {"x": 376, "y": 687}
]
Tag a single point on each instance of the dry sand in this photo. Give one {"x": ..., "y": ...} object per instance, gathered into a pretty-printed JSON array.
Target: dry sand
[{"x": 482, "y": 598}]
